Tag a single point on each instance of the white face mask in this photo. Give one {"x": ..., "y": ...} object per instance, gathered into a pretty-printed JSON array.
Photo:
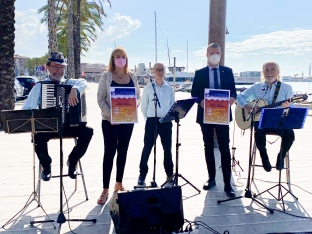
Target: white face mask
[{"x": 214, "y": 59}]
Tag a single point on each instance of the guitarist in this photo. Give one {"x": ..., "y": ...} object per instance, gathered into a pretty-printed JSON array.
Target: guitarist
[{"x": 272, "y": 90}]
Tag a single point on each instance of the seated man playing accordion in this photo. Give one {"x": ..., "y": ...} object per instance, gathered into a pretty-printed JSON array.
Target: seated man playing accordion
[
  {"x": 56, "y": 68},
  {"x": 273, "y": 91}
]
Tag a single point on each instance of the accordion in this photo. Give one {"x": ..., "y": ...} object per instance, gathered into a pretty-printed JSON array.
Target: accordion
[{"x": 57, "y": 95}]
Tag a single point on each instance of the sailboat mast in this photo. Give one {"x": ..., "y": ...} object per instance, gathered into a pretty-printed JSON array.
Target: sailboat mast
[
  {"x": 168, "y": 52},
  {"x": 155, "y": 38},
  {"x": 187, "y": 56}
]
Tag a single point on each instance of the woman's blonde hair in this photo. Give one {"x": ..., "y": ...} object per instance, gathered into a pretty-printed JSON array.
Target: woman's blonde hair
[
  {"x": 121, "y": 51},
  {"x": 276, "y": 67}
]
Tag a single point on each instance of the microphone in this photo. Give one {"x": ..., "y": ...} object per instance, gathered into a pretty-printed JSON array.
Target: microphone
[{"x": 264, "y": 88}]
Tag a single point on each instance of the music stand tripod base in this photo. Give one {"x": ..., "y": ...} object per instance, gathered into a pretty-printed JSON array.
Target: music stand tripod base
[
  {"x": 21, "y": 121},
  {"x": 178, "y": 111}
]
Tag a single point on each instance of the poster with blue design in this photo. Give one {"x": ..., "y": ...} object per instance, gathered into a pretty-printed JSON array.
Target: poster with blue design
[
  {"x": 217, "y": 106},
  {"x": 123, "y": 105}
]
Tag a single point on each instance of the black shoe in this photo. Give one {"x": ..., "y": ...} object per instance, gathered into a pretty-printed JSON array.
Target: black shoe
[
  {"x": 72, "y": 173},
  {"x": 46, "y": 173},
  {"x": 279, "y": 162},
  {"x": 229, "y": 191},
  {"x": 141, "y": 181},
  {"x": 266, "y": 164},
  {"x": 209, "y": 185}
]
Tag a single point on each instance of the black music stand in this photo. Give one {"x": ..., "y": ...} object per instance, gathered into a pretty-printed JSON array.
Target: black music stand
[
  {"x": 61, "y": 217},
  {"x": 280, "y": 118},
  {"x": 178, "y": 111},
  {"x": 20, "y": 121}
]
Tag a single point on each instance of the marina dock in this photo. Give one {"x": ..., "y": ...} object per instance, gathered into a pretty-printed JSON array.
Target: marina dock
[{"x": 238, "y": 216}]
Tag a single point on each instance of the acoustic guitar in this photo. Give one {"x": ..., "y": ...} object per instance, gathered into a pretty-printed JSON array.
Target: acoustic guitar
[{"x": 241, "y": 115}]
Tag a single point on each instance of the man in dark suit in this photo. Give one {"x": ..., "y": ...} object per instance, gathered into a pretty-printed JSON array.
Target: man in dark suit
[{"x": 215, "y": 76}]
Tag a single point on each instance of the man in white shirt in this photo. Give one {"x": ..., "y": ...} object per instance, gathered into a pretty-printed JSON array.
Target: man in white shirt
[
  {"x": 56, "y": 67},
  {"x": 152, "y": 112}
]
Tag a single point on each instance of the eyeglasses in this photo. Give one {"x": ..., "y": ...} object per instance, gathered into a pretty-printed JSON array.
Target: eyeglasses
[
  {"x": 57, "y": 68},
  {"x": 159, "y": 69}
]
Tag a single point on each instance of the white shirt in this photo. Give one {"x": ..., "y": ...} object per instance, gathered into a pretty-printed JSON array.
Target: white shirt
[{"x": 165, "y": 96}]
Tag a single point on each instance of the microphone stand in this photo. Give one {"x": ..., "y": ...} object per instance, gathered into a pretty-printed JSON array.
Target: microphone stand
[
  {"x": 156, "y": 102},
  {"x": 248, "y": 193}
]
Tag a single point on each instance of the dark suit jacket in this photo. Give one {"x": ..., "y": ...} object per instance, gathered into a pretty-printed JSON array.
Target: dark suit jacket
[{"x": 201, "y": 81}]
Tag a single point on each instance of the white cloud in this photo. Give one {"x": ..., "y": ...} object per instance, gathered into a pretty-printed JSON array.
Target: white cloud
[
  {"x": 121, "y": 26},
  {"x": 30, "y": 35},
  {"x": 292, "y": 49},
  {"x": 297, "y": 42}
]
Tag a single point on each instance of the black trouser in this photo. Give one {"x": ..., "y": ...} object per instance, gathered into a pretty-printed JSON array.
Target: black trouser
[
  {"x": 223, "y": 138},
  {"x": 164, "y": 130},
  {"x": 83, "y": 134},
  {"x": 116, "y": 138},
  {"x": 287, "y": 135}
]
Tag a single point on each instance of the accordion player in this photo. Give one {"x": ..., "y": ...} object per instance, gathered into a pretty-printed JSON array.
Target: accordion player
[{"x": 57, "y": 95}]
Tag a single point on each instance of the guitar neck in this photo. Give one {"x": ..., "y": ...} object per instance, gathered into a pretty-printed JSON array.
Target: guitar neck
[{"x": 272, "y": 105}]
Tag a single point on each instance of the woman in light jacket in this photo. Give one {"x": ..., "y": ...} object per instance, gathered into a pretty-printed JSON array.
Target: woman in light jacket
[{"x": 116, "y": 136}]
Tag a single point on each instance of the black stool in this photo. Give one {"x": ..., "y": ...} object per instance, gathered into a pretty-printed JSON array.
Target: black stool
[{"x": 80, "y": 173}]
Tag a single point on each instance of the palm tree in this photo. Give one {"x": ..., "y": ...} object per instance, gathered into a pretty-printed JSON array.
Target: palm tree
[
  {"x": 70, "y": 41},
  {"x": 7, "y": 36},
  {"x": 77, "y": 51},
  {"x": 70, "y": 36},
  {"x": 91, "y": 17},
  {"x": 52, "y": 27}
]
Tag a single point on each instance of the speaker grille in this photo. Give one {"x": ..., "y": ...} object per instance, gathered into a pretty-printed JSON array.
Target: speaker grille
[{"x": 142, "y": 210}]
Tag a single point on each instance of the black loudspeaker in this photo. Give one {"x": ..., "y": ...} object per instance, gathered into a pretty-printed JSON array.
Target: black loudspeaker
[{"x": 141, "y": 211}]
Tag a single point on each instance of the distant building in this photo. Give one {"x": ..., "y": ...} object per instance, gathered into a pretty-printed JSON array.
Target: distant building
[
  {"x": 250, "y": 74},
  {"x": 141, "y": 69},
  {"x": 93, "y": 71},
  {"x": 20, "y": 64}
]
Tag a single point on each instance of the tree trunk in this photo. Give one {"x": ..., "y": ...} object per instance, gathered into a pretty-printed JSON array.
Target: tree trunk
[
  {"x": 217, "y": 25},
  {"x": 52, "y": 26},
  {"x": 70, "y": 50},
  {"x": 7, "y": 38},
  {"x": 77, "y": 50},
  {"x": 217, "y": 28}
]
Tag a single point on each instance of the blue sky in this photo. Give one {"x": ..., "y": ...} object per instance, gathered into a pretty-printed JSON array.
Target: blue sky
[{"x": 259, "y": 31}]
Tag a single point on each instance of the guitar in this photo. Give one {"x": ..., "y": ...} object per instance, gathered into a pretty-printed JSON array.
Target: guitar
[{"x": 241, "y": 115}]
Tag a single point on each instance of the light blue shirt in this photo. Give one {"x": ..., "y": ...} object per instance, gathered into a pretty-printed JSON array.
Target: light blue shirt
[
  {"x": 165, "y": 96},
  {"x": 255, "y": 91},
  {"x": 34, "y": 97}
]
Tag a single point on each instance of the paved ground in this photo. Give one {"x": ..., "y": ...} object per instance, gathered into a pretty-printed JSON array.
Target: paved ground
[{"x": 237, "y": 216}]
